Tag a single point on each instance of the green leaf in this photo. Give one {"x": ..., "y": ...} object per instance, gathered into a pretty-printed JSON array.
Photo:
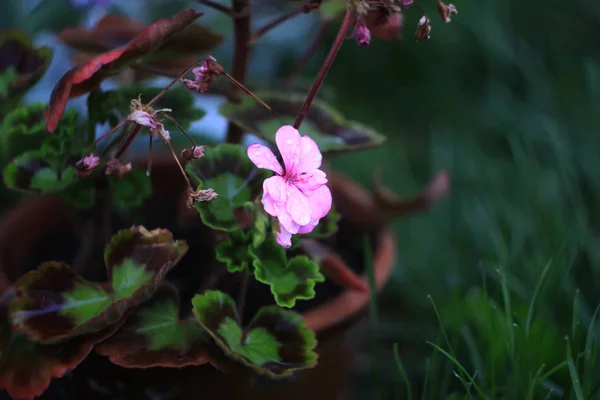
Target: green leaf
[
  {"x": 27, "y": 367},
  {"x": 229, "y": 172},
  {"x": 327, "y": 227},
  {"x": 235, "y": 251},
  {"x": 82, "y": 194},
  {"x": 332, "y": 9},
  {"x": 131, "y": 189},
  {"x": 54, "y": 303},
  {"x": 33, "y": 173},
  {"x": 289, "y": 280},
  {"x": 275, "y": 343},
  {"x": 323, "y": 124},
  {"x": 28, "y": 64},
  {"x": 155, "y": 336}
]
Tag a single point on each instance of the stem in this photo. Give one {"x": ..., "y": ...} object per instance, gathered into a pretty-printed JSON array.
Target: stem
[
  {"x": 242, "y": 294},
  {"x": 304, "y": 9},
  {"x": 128, "y": 141},
  {"x": 173, "y": 120},
  {"x": 241, "y": 53},
  {"x": 341, "y": 36}
]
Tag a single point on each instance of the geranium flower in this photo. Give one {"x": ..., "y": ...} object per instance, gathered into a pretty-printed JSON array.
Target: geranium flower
[{"x": 298, "y": 195}]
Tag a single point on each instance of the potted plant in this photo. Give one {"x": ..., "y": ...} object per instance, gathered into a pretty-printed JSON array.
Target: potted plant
[{"x": 214, "y": 259}]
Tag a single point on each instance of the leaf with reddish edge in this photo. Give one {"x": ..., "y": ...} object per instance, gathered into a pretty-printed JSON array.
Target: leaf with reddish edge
[
  {"x": 29, "y": 64},
  {"x": 113, "y": 31},
  {"x": 328, "y": 128},
  {"x": 54, "y": 303},
  {"x": 154, "y": 336},
  {"x": 275, "y": 343},
  {"x": 86, "y": 76},
  {"x": 26, "y": 368}
]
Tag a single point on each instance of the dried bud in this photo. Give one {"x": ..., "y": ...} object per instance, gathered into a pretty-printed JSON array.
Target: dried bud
[
  {"x": 362, "y": 33},
  {"x": 406, "y": 3},
  {"x": 204, "y": 75},
  {"x": 446, "y": 11},
  {"x": 200, "y": 195},
  {"x": 86, "y": 165},
  {"x": 145, "y": 115},
  {"x": 423, "y": 29},
  {"x": 114, "y": 167},
  {"x": 190, "y": 154}
]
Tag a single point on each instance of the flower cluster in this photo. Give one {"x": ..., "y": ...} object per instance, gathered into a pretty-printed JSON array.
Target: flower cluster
[
  {"x": 145, "y": 115},
  {"x": 297, "y": 195}
]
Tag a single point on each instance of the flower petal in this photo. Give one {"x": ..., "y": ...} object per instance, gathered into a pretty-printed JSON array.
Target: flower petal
[
  {"x": 320, "y": 203},
  {"x": 143, "y": 118},
  {"x": 310, "y": 155},
  {"x": 276, "y": 188},
  {"x": 312, "y": 180},
  {"x": 283, "y": 238},
  {"x": 285, "y": 219},
  {"x": 308, "y": 228},
  {"x": 263, "y": 157},
  {"x": 268, "y": 204},
  {"x": 288, "y": 142},
  {"x": 297, "y": 205}
]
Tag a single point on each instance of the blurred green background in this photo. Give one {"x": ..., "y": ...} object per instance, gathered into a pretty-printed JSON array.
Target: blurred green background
[{"x": 506, "y": 98}]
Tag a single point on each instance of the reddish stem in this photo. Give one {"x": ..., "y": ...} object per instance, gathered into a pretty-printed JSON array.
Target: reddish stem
[
  {"x": 129, "y": 140},
  {"x": 241, "y": 53},
  {"x": 341, "y": 36}
]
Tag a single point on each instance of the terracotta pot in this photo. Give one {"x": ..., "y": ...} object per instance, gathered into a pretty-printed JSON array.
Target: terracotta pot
[{"x": 26, "y": 225}]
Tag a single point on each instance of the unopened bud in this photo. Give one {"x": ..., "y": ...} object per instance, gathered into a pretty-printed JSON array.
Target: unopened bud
[
  {"x": 86, "y": 165},
  {"x": 362, "y": 33},
  {"x": 190, "y": 154},
  {"x": 423, "y": 29},
  {"x": 446, "y": 11}
]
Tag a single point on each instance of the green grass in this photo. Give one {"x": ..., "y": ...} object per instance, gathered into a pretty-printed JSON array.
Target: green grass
[{"x": 511, "y": 108}]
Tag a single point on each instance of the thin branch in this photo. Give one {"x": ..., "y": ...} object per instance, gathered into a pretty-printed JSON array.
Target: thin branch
[
  {"x": 170, "y": 85},
  {"x": 173, "y": 120},
  {"x": 178, "y": 163},
  {"x": 128, "y": 141},
  {"x": 248, "y": 92},
  {"x": 341, "y": 36},
  {"x": 217, "y": 6},
  {"x": 303, "y": 9}
]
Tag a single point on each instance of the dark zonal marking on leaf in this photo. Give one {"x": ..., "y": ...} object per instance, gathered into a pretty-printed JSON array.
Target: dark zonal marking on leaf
[
  {"x": 16, "y": 51},
  {"x": 167, "y": 342},
  {"x": 275, "y": 344},
  {"x": 88, "y": 75},
  {"x": 26, "y": 368},
  {"x": 323, "y": 124},
  {"x": 234, "y": 251},
  {"x": 289, "y": 330},
  {"x": 53, "y": 303},
  {"x": 30, "y": 172},
  {"x": 228, "y": 170}
]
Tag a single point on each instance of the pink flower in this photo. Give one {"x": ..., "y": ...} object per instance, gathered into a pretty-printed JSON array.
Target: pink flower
[
  {"x": 86, "y": 165},
  {"x": 204, "y": 75},
  {"x": 298, "y": 195}
]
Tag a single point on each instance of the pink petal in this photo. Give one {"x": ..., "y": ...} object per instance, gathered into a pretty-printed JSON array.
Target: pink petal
[
  {"x": 283, "y": 238},
  {"x": 276, "y": 188},
  {"x": 285, "y": 219},
  {"x": 312, "y": 180},
  {"x": 310, "y": 156},
  {"x": 320, "y": 203},
  {"x": 297, "y": 206},
  {"x": 288, "y": 142},
  {"x": 268, "y": 204},
  {"x": 142, "y": 118},
  {"x": 263, "y": 157},
  {"x": 308, "y": 228}
]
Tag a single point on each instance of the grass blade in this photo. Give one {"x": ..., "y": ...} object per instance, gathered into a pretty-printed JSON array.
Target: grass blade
[
  {"x": 573, "y": 372},
  {"x": 461, "y": 369},
  {"x": 402, "y": 372},
  {"x": 590, "y": 355},
  {"x": 536, "y": 292}
]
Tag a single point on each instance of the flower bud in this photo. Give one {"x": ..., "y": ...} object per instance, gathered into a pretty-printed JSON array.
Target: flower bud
[
  {"x": 446, "y": 11},
  {"x": 362, "y": 33},
  {"x": 423, "y": 29}
]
